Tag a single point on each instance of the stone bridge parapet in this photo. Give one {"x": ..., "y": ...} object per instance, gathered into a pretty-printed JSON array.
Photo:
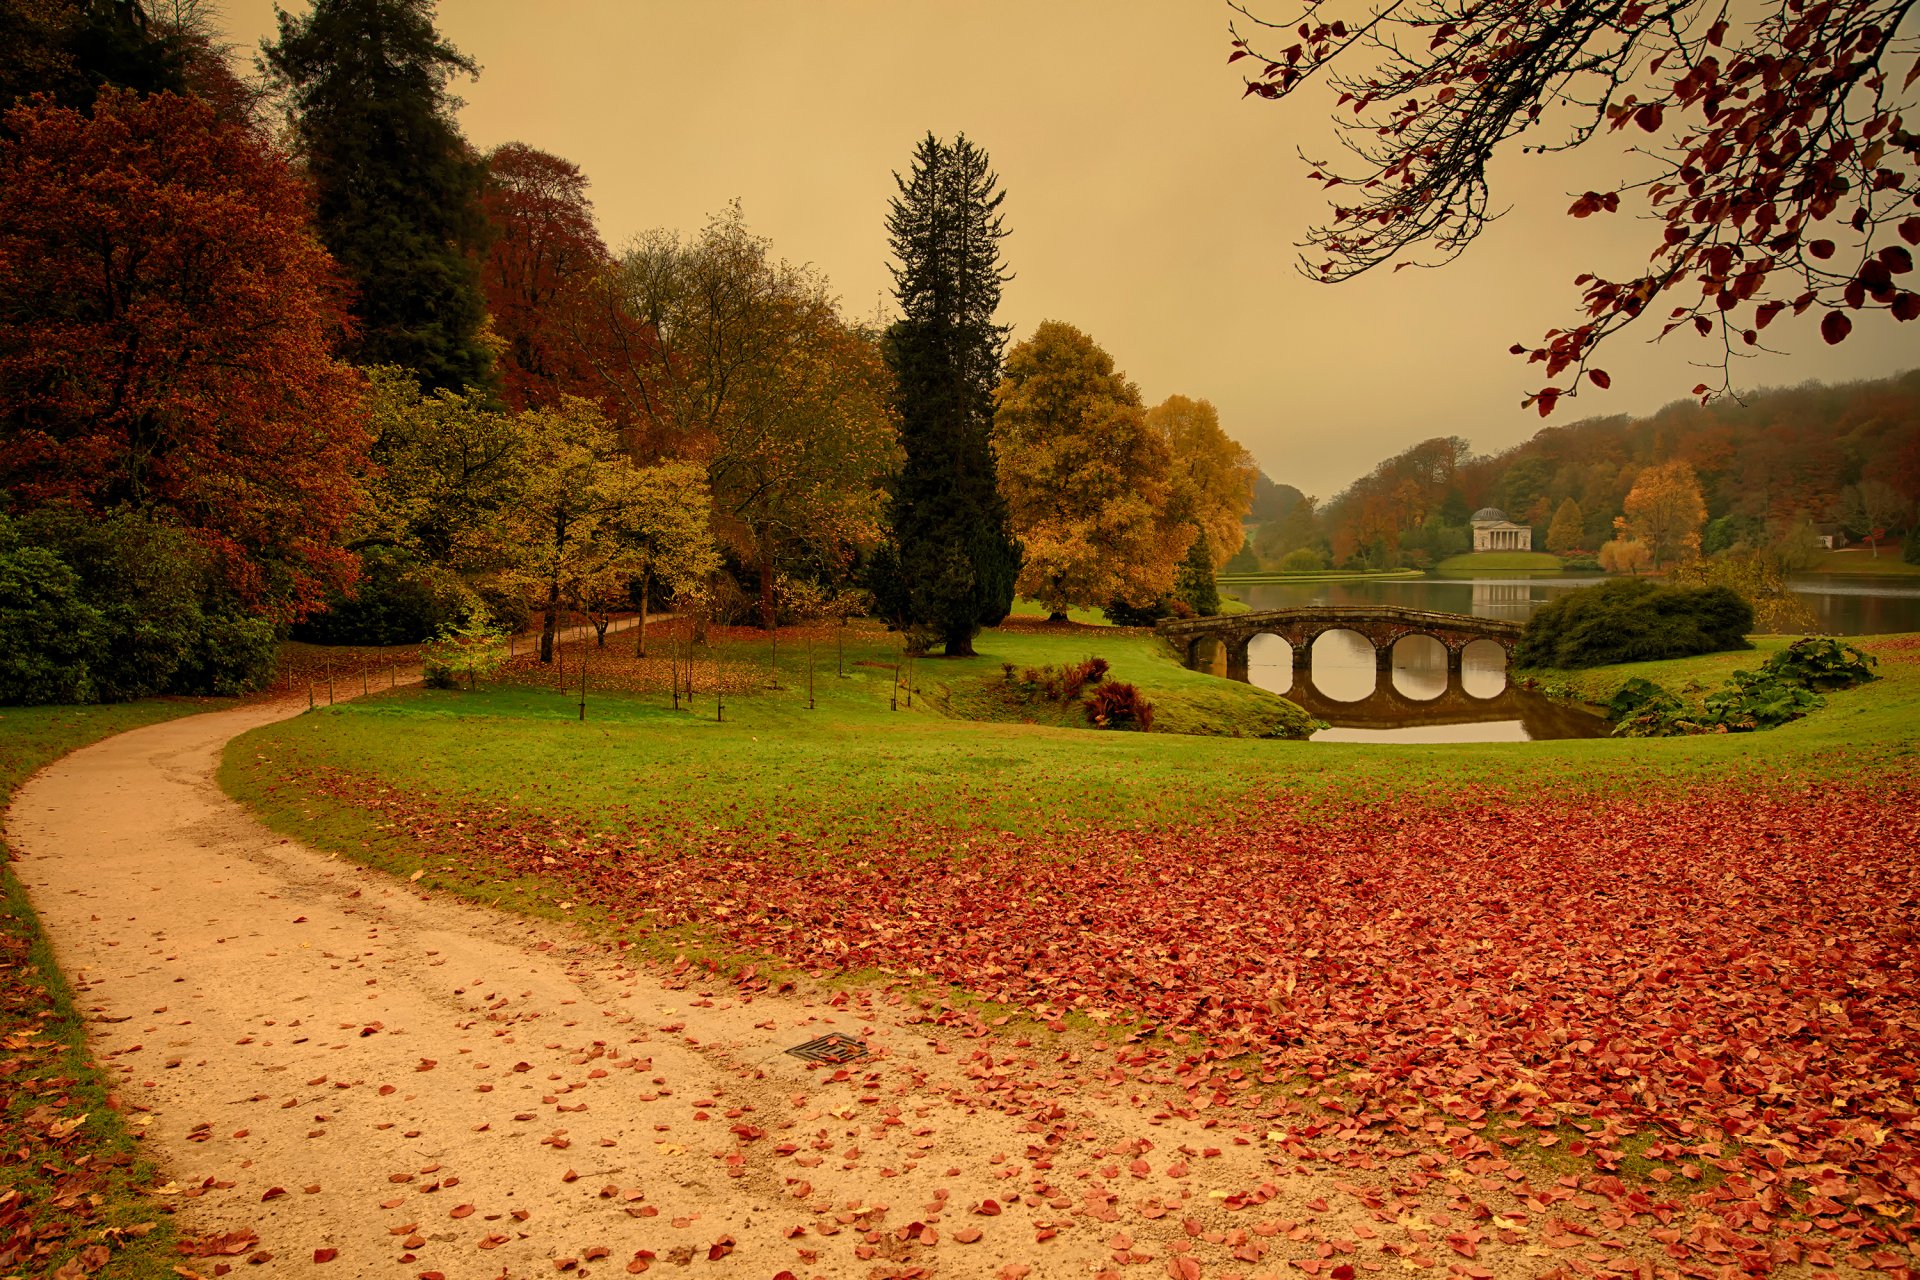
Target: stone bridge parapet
[{"x": 1382, "y": 625}]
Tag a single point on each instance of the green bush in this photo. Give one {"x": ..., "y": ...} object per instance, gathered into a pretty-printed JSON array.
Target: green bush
[
  {"x": 398, "y": 600},
  {"x": 1632, "y": 620},
  {"x": 1784, "y": 689},
  {"x": 1821, "y": 662},
  {"x": 1580, "y": 564},
  {"x": 1302, "y": 560},
  {"x": 49, "y": 637},
  {"x": 463, "y": 653},
  {"x": 1122, "y": 614},
  {"x": 132, "y": 610}
]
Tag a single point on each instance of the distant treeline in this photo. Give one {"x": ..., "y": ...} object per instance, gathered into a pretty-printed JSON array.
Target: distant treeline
[{"x": 1771, "y": 469}]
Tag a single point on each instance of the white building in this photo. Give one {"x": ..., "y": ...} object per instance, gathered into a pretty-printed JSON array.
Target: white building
[{"x": 1492, "y": 531}]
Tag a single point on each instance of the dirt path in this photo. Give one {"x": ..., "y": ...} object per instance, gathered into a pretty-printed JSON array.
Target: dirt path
[{"x": 396, "y": 1084}]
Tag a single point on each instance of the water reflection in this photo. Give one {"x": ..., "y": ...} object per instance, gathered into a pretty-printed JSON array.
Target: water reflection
[{"x": 1415, "y": 699}]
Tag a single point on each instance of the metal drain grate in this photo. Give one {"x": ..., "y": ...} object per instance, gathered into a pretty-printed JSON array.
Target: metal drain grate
[{"x": 831, "y": 1047}]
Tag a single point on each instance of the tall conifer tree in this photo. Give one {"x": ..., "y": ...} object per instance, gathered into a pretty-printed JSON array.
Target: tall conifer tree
[
  {"x": 953, "y": 560},
  {"x": 397, "y": 188}
]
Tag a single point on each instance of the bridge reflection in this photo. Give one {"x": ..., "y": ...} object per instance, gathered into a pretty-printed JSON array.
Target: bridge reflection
[{"x": 1417, "y": 695}]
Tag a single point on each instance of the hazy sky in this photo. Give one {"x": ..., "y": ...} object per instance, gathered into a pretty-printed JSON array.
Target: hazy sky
[{"x": 1149, "y": 204}]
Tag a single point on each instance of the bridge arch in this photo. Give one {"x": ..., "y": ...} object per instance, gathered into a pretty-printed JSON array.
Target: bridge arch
[{"x": 1383, "y": 626}]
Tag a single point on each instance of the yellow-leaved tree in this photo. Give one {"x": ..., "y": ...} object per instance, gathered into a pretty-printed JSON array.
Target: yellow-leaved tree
[
  {"x": 1088, "y": 483},
  {"x": 1665, "y": 510},
  {"x": 589, "y": 519},
  {"x": 1212, "y": 474}
]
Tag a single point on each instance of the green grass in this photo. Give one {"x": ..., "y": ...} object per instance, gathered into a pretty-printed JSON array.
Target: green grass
[
  {"x": 1861, "y": 560},
  {"x": 37, "y": 1008},
  {"x": 1473, "y": 562},
  {"x": 1689, "y": 677},
  {"x": 853, "y": 767},
  {"x": 1029, "y": 609}
]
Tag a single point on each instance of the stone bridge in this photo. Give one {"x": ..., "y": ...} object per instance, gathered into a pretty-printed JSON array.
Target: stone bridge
[{"x": 1383, "y": 625}]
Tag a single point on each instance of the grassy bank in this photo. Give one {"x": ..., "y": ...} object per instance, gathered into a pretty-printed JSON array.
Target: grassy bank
[
  {"x": 1849, "y": 561},
  {"x": 1312, "y": 575},
  {"x": 853, "y": 767},
  {"x": 74, "y": 1174},
  {"x": 1477, "y": 562}
]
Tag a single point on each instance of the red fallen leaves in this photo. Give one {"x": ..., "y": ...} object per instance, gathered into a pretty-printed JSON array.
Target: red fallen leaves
[
  {"x": 1706, "y": 965},
  {"x": 226, "y": 1245}
]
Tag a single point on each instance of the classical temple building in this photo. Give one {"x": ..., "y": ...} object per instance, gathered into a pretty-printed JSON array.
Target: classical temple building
[{"x": 1492, "y": 531}]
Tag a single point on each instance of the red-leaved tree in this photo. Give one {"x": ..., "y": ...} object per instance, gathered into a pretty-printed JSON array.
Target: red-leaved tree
[
  {"x": 1778, "y": 170},
  {"x": 545, "y": 248},
  {"x": 166, "y": 326}
]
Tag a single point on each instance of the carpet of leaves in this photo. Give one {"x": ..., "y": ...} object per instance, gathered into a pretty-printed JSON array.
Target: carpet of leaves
[
  {"x": 1708, "y": 1001},
  {"x": 53, "y": 1168}
]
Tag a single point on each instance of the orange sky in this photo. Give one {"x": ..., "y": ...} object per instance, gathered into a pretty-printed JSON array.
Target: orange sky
[{"x": 1148, "y": 203}]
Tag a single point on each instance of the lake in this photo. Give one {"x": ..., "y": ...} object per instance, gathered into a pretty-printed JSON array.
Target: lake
[
  {"x": 1845, "y": 606},
  {"x": 1416, "y": 703}
]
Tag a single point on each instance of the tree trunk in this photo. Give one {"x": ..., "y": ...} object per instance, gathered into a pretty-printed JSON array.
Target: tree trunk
[
  {"x": 960, "y": 643},
  {"x": 600, "y": 623},
  {"x": 1056, "y": 616},
  {"x": 550, "y": 627},
  {"x": 768, "y": 619},
  {"x": 646, "y": 589}
]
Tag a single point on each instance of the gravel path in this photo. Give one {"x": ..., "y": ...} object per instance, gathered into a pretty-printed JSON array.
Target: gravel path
[{"x": 334, "y": 1069}]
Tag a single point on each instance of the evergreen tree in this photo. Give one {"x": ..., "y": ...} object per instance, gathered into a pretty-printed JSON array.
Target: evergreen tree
[
  {"x": 396, "y": 186},
  {"x": 1567, "y": 529},
  {"x": 1194, "y": 583},
  {"x": 954, "y": 562}
]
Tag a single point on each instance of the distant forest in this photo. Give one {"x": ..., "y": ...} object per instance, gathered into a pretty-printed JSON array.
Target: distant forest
[{"x": 1772, "y": 467}]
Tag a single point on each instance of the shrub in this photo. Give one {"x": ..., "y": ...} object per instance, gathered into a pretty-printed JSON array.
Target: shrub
[
  {"x": 1758, "y": 579},
  {"x": 134, "y": 608},
  {"x": 465, "y": 652},
  {"x": 1580, "y": 564},
  {"x": 398, "y": 600},
  {"x": 1631, "y": 620},
  {"x": 1062, "y": 684},
  {"x": 505, "y": 599},
  {"x": 1122, "y": 614},
  {"x": 1302, "y": 560},
  {"x": 1785, "y": 688},
  {"x": 1820, "y": 662},
  {"x": 1118, "y": 705},
  {"x": 49, "y": 636}
]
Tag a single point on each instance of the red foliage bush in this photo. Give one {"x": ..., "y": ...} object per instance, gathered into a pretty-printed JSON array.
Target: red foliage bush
[{"x": 1118, "y": 705}]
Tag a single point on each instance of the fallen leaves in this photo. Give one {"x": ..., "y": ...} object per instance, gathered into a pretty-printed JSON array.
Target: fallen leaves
[{"x": 1731, "y": 973}]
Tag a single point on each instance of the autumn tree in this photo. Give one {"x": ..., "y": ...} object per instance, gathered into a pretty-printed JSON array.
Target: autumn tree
[
  {"x": 72, "y": 50},
  {"x": 1087, "y": 481},
  {"x": 952, "y": 562},
  {"x": 1568, "y": 530},
  {"x": 744, "y": 363},
  {"x": 1769, "y": 147},
  {"x": 1624, "y": 555},
  {"x": 1296, "y": 530},
  {"x": 1212, "y": 474},
  {"x": 666, "y": 535},
  {"x": 166, "y": 325},
  {"x": 1873, "y": 508},
  {"x": 576, "y": 512},
  {"x": 396, "y": 188},
  {"x": 1665, "y": 511},
  {"x": 543, "y": 250}
]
